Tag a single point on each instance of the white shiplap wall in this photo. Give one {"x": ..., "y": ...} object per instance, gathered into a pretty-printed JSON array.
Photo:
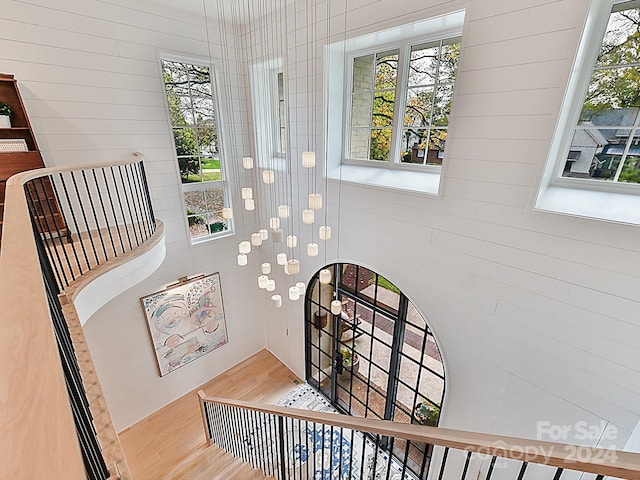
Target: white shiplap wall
[
  {"x": 90, "y": 76},
  {"x": 536, "y": 314}
]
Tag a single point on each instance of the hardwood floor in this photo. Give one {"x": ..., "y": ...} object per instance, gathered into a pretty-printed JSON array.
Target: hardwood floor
[{"x": 157, "y": 443}]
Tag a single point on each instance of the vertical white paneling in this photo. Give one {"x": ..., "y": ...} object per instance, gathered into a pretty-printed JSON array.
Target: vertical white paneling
[{"x": 534, "y": 312}]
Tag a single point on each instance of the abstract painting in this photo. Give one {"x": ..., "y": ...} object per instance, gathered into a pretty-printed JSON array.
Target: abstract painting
[{"x": 186, "y": 321}]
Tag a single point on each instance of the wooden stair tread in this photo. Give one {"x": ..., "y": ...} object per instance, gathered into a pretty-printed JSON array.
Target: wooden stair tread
[{"x": 213, "y": 463}]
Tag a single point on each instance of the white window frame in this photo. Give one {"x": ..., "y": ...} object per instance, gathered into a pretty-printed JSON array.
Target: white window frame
[
  {"x": 219, "y": 123},
  {"x": 265, "y": 103},
  {"x": 402, "y": 87},
  {"x": 338, "y": 67},
  {"x": 591, "y": 198}
]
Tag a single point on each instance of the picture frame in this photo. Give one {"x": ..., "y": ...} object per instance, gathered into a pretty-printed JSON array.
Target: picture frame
[{"x": 186, "y": 321}]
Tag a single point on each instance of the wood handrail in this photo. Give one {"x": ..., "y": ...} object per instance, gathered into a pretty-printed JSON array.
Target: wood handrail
[
  {"x": 585, "y": 459},
  {"x": 38, "y": 438}
]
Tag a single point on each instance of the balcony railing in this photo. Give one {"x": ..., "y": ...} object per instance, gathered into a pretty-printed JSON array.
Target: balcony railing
[
  {"x": 59, "y": 224},
  {"x": 289, "y": 443}
]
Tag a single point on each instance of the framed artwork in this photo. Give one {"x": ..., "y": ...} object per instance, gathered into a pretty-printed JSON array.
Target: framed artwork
[{"x": 186, "y": 321}]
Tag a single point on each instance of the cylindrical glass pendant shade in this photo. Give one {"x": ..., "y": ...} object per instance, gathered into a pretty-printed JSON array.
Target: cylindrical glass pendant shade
[
  {"x": 262, "y": 281},
  {"x": 301, "y": 286},
  {"x": 247, "y": 192},
  {"x": 227, "y": 213},
  {"x": 271, "y": 285},
  {"x": 312, "y": 249},
  {"x": 264, "y": 233},
  {"x": 325, "y": 275},
  {"x": 244, "y": 247},
  {"x": 265, "y": 268},
  {"x": 308, "y": 159},
  {"x": 256, "y": 239},
  {"x": 324, "y": 232},
  {"x": 276, "y": 300},
  {"x": 268, "y": 176},
  {"x": 247, "y": 162},
  {"x": 274, "y": 223},
  {"x": 336, "y": 307},
  {"x": 292, "y": 241},
  {"x": 315, "y": 201},
  {"x": 281, "y": 258},
  {"x": 283, "y": 211},
  {"x": 277, "y": 236},
  {"x": 308, "y": 216},
  {"x": 293, "y": 267},
  {"x": 294, "y": 293},
  {"x": 242, "y": 260},
  {"x": 249, "y": 204}
]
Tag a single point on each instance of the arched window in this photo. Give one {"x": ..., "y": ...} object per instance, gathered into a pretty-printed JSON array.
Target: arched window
[{"x": 378, "y": 358}]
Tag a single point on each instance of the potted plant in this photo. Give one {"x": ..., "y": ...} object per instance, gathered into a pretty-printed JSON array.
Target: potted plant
[
  {"x": 5, "y": 115},
  {"x": 426, "y": 413},
  {"x": 350, "y": 361}
]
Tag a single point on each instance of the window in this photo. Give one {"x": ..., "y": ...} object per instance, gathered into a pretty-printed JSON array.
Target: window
[
  {"x": 593, "y": 166},
  {"x": 282, "y": 123},
  {"x": 389, "y": 96},
  {"x": 377, "y": 359},
  {"x": 193, "y": 116},
  {"x": 606, "y": 140},
  {"x": 402, "y": 115},
  {"x": 268, "y": 101}
]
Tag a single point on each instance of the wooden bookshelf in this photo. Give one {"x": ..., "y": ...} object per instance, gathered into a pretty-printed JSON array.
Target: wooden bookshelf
[{"x": 12, "y": 162}]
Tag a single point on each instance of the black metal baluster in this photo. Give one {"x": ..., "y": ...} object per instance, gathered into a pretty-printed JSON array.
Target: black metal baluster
[
  {"x": 113, "y": 210},
  {"x": 466, "y": 466},
  {"x": 249, "y": 437},
  {"x": 390, "y": 450},
  {"x": 41, "y": 213},
  {"x": 143, "y": 204},
  {"x": 558, "y": 474},
  {"x": 269, "y": 453},
  {"x": 126, "y": 198},
  {"x": 306, "y": 447},
  {"x": 37, "y": 225},
  {"x": 524, "y": 467},
  {"x": 283, "y": 471},
  {"x": 364, "y": 447},
  {"x": 148, "y": 195},
  {"x": 75, "y": 224},
  {"x": 66, "y": 225},
  {"x": 444, "y": 462},
  {"x": 351, "y": 452},
  {"x": 135, "y": 193},
  {"x": 127, "y": 194},
  {"x": 315, "y": 447},
  {"x": 119, "y": 197},
  {"x": 95, "y": 216},
  {"x": 425, "y": 458},
  {"x": 86, "y": 223},
  {"x": 104, "y": 211},
  {"x": 491, "y": 465},
  {"x": 375, "y": 454}
]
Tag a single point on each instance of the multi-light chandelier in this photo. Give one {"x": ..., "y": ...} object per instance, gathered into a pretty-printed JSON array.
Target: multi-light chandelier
[{"x": 276, "y": 220}]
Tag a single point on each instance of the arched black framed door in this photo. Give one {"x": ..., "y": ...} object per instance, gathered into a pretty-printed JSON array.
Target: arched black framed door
[{"x": 377, "y": 358}]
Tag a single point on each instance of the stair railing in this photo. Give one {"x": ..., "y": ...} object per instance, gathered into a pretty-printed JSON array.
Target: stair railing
[
  {"x": 59, "y": 223},
  {"x": 289, "y": 443}
]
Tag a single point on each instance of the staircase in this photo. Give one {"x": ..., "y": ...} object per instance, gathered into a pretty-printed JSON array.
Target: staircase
[{"x": 213, "y": 463}]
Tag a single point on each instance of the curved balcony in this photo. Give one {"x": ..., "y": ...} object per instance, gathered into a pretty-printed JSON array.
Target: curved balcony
[{"x": 73, "y": 239}]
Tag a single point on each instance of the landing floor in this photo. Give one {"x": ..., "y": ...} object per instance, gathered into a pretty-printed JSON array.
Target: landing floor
[{"x": 154, "y": 445}]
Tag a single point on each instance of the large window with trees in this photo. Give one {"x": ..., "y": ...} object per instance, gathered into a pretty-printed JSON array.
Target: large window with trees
[
  {"x": 377, "y": 359},
  {"x": 400, "y": 102},
  {"x": 605, "y": 144},
  {"x": 193, "y": 116}
]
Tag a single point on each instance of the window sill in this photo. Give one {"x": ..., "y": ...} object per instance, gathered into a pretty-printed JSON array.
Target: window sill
[
  {"x": 406, "y": 180},
  {"x": 600, "y": 205}
]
